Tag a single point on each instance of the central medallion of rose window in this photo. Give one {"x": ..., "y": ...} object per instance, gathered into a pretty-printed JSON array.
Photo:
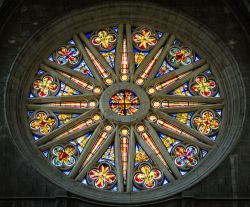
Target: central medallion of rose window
[{"x": 124, "y": 102}]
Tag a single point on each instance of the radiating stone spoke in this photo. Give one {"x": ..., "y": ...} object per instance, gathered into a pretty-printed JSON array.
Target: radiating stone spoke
[
  {"x": 57, "y": 132},
  {"x": 150, "y": 56},
  {"x": 118, "y": 161},
  {"x": 182, "y": 137},
  {"x": 131, "y": 55},
  {"x": 163, "y": 150},
  {"x": 88, "y": 60},
  {"x": 59, "y": 99},
  {"x": 87, "y": 149},
  {"x": 88, "y": 164},
  {"x": 65, "y": 78},
  {"x": 197, "y": 99},
  {"x": 185, "y": 128},
  {"x": 191, "y": 108},
  {"x": 66, "y": 137},
  {"x": 98, "y": 56},
  {"x": 161, "y": 58},
  {"x": 154, "y": 157},
  {"x": 57, "y": 109},
  {"x": 181, "y": 78},
  {"x": 131, "y": 160},
  {"x": 118, "y": 57}
]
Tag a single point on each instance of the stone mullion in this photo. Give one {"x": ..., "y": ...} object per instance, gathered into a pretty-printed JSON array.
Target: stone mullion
[
  {"x": 88, "y": 60},
  {"x": 58, "y": 109},
  {"x": 161, "y": 58},
  {"x": 98, "y": 56},
  {"x": 88, "y": 147},
  {"x": 67, "y": 81},
  {"x": 131, "y": 160},
  {"x": 74, "y": 73},
  {"x": 118, "y": 161},
  {"x": 151, "y": 55},
  {"x": 183, "y": 80},
  {"x": 131, "y": 55},
  {"x": 118, "y": 53},
  {"x": 181, "y": 137},
  {"x": 64, "y": 128},
  {"x": 184, "y": 127},
  {"x": 191, "y": 108},
  {"x": 163, "y": 150},
  {"x": 68, "y": 137},
  {"x": 175, "y": 73},
  {"x": 154, "y": 157},
  {"x": 97, "y": 155},
  {"x": 58, "y": 99},
  {"x": 197, "y": 99}
]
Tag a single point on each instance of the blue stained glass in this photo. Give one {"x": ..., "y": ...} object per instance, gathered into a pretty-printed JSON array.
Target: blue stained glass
[
  {"x": 165, "y": 182},
  {"x": 50, "y": 58},
  {"x": 66, "y": 90},
  {"x": 84, "y": 69},
  {"x": 135, "y": 188},
  {"x": 115, "y": 29},
  {"x": 164, "y": 69},
  {"x": 46, "y": 153},
  {"x": 72, "y": 42},
  {"x": 88, "y": 35},
  {"x": 40, "y": 72},
  {"x": 196, "y": 57},
  {"x": 84, "y": 181},
  {"x": 217, "y": 95},
  {"x": 208, "y": 72},
  {"x": 80, "y": 142},
  {"x": 109, "y": 57},
  {"x": 115, "y": 188},
  {"x": 31, "y": 95},
  {"x": 30, "y": 113},
  {"x": 183, "y": 172},
  {"x": 108, "y": 155},
  {"x": 219, "y": 112},
  {"x": 213, "y": 137},
  {"x": 66, "y": 172},
  {"x": 159, "y": 34},
  {"x": 177, "y": 42},
  {"x": 203, "y": 152}
]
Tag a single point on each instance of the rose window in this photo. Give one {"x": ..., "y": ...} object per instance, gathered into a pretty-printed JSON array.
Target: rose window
[
  {"x": 122, "y": 110},
  {"x": 160, "y": 105}
]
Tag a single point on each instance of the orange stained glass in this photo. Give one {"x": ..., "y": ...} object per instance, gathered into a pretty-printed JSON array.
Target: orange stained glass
[
  {"x": 81, "y": 125},
  {"x": 152, "y": 145},
  {"x": 168, "y": 104},
  {"x": 166, "y": 125},
  {"x": 101, "y": 138},
  {"x": 82, "y": 104},
  {"x": 168, "y": 82},
  {"x": 124, "y": 151},
  {"x": 79, "y": 81},
  {"x": 103, "y": 72},
  {"x": 124, "y": 64},
  {"x": 148, "y": 69}
]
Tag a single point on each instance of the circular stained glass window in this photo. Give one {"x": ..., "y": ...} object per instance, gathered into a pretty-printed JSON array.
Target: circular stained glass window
[
  {"x": 125, "y": 109},
  {"x": 125, "y": 134}
]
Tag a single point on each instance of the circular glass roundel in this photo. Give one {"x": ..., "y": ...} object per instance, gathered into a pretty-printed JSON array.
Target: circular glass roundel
[
  {"x": 125, "y": 121},
  {"x": 124, "y": 102}
]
